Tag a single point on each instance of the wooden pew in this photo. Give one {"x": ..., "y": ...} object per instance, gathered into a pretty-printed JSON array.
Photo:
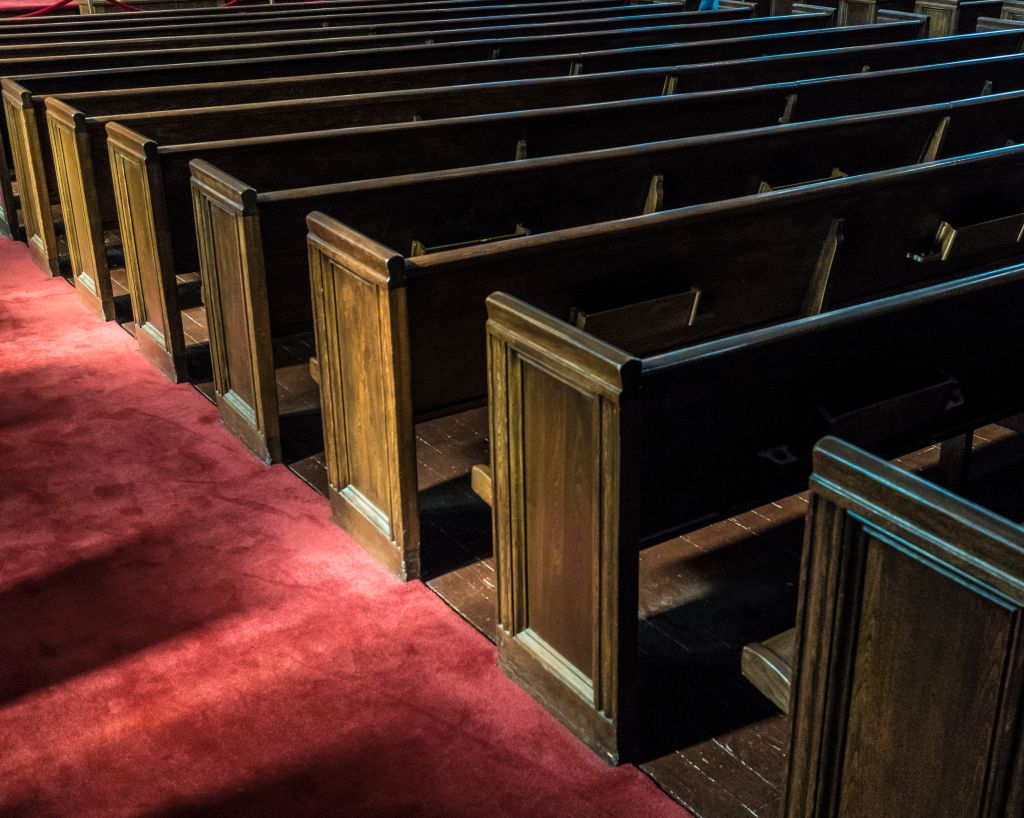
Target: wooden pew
[
  {"x": 338, "y": 23},
  {"x": 970, "y": 12},
  {"x": 130, "y": 76},
  {"x": 621, "y": 35},
  {"x": 908, "y": 683},
  {"x": 863, "y": 12},
  {"x": 176, "y": 251},
  {"x": 70, "y": 17},
  {"x": 90, "y": 7},
  {"x": 39, "y": 228},
  {"x": 86, "y": 186},
  {"x": 358, "y": 35},
  {"x": 62, "y": 82},
  {"x": 618, "y": 451},
  {"x": 247, "y": 11},
  {"x": 825, "y": 244},
  {"x": 21, "y": 98}
]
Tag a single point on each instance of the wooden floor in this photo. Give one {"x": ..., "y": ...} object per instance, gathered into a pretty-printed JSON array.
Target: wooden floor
[{"x": 711, "y": 741}]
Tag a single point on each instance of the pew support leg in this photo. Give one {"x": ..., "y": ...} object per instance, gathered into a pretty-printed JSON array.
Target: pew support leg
[
  {"x": 149, "y": 261},
  {"x": 563, "y": 444},
  {"x": 955, "y": 461},
  {"x": 360, "y": 321}
]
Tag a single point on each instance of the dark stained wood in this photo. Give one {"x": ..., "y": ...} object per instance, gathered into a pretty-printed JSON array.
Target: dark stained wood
[
  {"x": 33, "y": 142},
  {"x": 375, "y": 19},
  {"x": 703, "y": 454},
  {"x": 132, "y": 76},
  {"x": 363, "y": 53},
  {"x": 968, "y": 14},
  {"x": 725, "y": 758},
  {"x": 82, "y": 157},
  {"x": 336, "y": 31},
  {"x": 433, "y": 334},
  {"x": 908, "y": 637},
  {"x": 107, "y": 12}
]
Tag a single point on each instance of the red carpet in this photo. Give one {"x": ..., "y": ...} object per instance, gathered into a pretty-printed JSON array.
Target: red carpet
[{"x": 184, "y": 632}]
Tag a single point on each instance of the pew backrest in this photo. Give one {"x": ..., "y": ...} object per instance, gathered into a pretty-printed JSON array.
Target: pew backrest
[
  {"x": 359, "y": 36},
  {"x": 375, "y": 21}
]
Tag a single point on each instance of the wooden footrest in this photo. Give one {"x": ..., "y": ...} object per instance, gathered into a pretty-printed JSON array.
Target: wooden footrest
[{"x": 768, "y": 666}]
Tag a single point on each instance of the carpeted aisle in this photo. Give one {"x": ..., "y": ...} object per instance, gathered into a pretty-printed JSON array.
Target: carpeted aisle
[{"x": 184, "y": 632}]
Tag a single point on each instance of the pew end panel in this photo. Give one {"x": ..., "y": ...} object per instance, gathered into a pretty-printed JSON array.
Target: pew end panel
[
  {"x": 10, "y": 225},
  {"x": 72, "y": 158},
  {"x": 362, "y": 342},
  {"x": 141, "y": 207},
  {"x": 227, "y": 221},
  {"x": 942, "y": 16},
  {"x": 582, "y": 463},
  {"x": 896, "y": 567},
  {"x": 26, "y": 155}
]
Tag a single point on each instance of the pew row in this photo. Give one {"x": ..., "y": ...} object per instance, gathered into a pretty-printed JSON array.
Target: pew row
[
  {"x": 156, "y": 8},
  {"x": 31, "y": 130},
  {"x": 360, "y": 35},
  {"x": 171, "y": 16},
  {"x": 617, "y": 451},
  {"x": 357, "y": 55},
  {"x": 77, "y": 134},
  {"x": 8, "y": 201},
  {"x": 149, "y": 173},
  {"x": 375, "y": 20},
  {"x": 908, "y": 636},
  {"x": 118, "y": 26},
  {"x": 827, "y": 244},
  {"x": 46, "y": 185}
]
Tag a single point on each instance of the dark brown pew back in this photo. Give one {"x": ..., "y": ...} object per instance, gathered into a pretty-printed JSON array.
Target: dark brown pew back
[
  {"x": 26, "y": 142},
  {"x": 77, "y": 135},
  {"x": 453, "y": 142},
  {"x": 345, "y": 35},
  {"x": 296, "y": 10},
  {"x": 615, "y": 34},
  {"x": 743, "y": 262},
  {"x": 472, "y": 205},
  {"x": 375, "y": 18}
]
